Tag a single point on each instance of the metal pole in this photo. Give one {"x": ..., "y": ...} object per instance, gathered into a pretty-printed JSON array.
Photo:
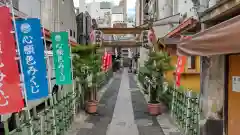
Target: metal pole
[
  {"x": 58, "y": 16},
  {"x": 73, "y": 88},
  {"x": 49, "y": 68},
  {"x": 18, "y": 50}
]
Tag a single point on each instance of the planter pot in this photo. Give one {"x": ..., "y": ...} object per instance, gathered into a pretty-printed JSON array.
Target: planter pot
[
  {"x": 91, "y": 106},
  {"x": 154, "y": 109}
]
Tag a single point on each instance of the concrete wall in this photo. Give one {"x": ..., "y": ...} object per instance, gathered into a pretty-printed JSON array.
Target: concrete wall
[
  {"x": 123, "y": 4},
  {"x": 187, "y": 8},
  {"x": 95, "y": 11},
  {"x": 101, "y": 11},
  {"x": 116, "y": 18},
  {"x": 171, "y": 7},
  {"x": 82, "y": 6},
  {"x": 213, "y": 85},
  {"x": 47, "y": 14},
  {"x": 212, "y": 2},
  {"x": 47, "y": 11},
  {"x": 32, "y": 11},
  {"x": 165, "y": 8}
]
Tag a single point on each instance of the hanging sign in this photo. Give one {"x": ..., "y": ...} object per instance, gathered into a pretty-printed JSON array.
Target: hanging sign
[
  {"x": 92, "y": 36},
  {"x": 62, "y": 59},
  {"x": 32, "y": 56},
  {"x": 105, "y": 61},
  {"x": 11, "y": 99},
  {"x": 181, "y": 64},
  {"x": 180, "y": 68},
  {"x": 108, "y": 61},
  {"x": 236, "y": 83}
]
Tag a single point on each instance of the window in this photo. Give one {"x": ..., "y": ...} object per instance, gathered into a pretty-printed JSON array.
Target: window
[
  {"x": 70, "y": 32},
  {"x": 191, "y": 62}
]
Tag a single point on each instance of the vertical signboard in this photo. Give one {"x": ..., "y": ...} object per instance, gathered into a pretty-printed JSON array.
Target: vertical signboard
[
  {"x": 180, "y": 68},
  {"x": 105, "y": 62},
  {"x": 32, "y": 56},
  {"x": 108, "y": 61},
  {"x": 11, "y": 99},
  {"x": 61, "y": 57}
]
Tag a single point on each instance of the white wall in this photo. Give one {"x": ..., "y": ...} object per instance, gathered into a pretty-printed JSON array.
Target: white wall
[
  {"x": 95, "y": 11},
  {"x": 212, "y": 2},
  {"x": 32, "y": 11},
  {"x": 165, "y": 8},
  {"x": 186, "y": 6},
  {"x": 117, "y": 18},
  {"x": 137, "y": 12},
  {"x": 46, "y": 14},
  {"x": 67, "y": 16},
  {"x": 82, "y": 6}
]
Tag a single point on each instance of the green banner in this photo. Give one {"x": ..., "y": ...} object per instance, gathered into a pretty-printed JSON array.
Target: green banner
[{"x": 61, "y": 57}]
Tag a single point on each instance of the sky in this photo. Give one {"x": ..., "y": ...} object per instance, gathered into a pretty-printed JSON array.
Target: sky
[{"x": 130, "y": 4}]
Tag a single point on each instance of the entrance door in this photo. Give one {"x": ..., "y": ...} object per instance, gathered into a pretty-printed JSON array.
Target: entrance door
[{"x": 233, "y": 96}]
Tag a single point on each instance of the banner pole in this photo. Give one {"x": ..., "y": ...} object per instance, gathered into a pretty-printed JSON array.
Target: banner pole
[
  {"x": 73, "y": 82},
  {"x": 20, "y": 61},
  {"x": 49, "y": 68}
]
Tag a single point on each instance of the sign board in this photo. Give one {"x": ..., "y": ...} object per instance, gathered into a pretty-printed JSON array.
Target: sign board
[
  {"x": 31, "y": 47},
  {"x": 61, "y": 57},
  {"x": 236, "y": 83},
  {"x": 11, "y": 99}
]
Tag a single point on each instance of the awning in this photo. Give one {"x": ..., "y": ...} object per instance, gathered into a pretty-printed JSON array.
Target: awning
[
  {"x": 187, "y": 24},
  {"x": 223, "y": 38},
  {"x": 168, "y": 44}
]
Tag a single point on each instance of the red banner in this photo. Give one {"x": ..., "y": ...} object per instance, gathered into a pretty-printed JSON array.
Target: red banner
[
  {"x": 180, "y": 68},
  {"x": 108, "y": 61},
  {"x": 11, "y": 99},
  {"x": 104, "y": 62}
]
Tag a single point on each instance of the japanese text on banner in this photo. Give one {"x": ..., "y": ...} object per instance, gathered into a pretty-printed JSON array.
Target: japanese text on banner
[
  {"x": 61, "y": 56},
  {"x": 32, "y": 57},
  {"x": 11, "y": 99}
]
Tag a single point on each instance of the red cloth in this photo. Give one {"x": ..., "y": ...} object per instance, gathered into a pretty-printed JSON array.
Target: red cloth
[
  {"x": 180, "y": 68},
  {"x": 104, "y": 61},
  {"x": 10, "y": 91}
]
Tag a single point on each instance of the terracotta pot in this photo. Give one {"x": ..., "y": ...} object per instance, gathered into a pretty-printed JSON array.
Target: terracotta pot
[
  {"x": 91, "y": 106},
  {"x": 154, "y": 109}
]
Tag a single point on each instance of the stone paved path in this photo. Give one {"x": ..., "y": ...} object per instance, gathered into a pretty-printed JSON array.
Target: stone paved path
[
  {"x": 122, "y": 111},
  {"x": 123, "y": 118},
  {"x": 147, "y": 125}
]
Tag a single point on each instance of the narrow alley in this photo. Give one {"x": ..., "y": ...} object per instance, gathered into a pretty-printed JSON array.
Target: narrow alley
[
  {"x": 122, "y": 111},
  {"x": 119, "y": 67}
]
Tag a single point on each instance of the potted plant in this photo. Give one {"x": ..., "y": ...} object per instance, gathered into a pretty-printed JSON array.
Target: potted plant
[
  {"x": 157, "y": 64},
  {"x": 92, "y": 102},
  {"x": 86, "y": 64}
]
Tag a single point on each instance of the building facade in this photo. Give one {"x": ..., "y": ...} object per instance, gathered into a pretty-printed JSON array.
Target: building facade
[
  {"x": 219, "y": 94},
  {"x": 101, "y": 11},
  {"x": 167, "y": 16},
  {"x": 84, "y": 27},
  {"x": 123, "y": 5}
]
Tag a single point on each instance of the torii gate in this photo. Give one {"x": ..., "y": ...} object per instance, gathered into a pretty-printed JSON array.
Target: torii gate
[{"x": 125, "y": 43}]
